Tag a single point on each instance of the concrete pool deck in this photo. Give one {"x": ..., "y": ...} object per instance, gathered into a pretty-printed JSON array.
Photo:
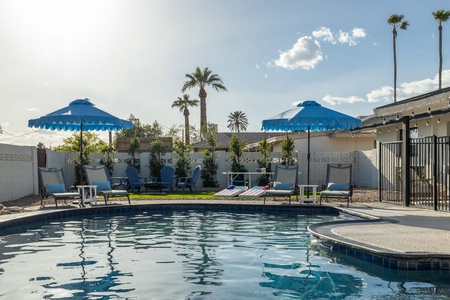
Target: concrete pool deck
[{"x": 398, "y": 233}]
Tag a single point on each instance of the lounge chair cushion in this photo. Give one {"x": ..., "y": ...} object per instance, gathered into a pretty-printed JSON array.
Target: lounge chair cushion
[
  {"x": 231, "y": 187},
  {"x": 283, "y": 186},
  {"x": 332, "y": 186},
  {"x": 102, "y": 185},
  {"x": 55, "y": 188}
]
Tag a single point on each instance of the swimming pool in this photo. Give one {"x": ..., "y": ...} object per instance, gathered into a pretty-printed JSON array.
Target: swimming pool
[{"x": 192, "y": 254}]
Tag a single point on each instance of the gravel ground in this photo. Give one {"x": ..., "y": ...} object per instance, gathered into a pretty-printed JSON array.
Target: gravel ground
[{"x": 359, "y": 196}]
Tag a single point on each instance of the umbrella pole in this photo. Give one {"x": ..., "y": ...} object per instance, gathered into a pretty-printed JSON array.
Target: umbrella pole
[
  {"x": 81, "y": 153},
  {"x": 308, "y": 155}
]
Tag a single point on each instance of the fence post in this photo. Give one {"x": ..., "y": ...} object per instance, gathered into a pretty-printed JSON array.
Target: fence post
[
  {"x": 406, "y": 161},
  {"x": 434, "y": 160},
  {"x": 380, "y": 171}
]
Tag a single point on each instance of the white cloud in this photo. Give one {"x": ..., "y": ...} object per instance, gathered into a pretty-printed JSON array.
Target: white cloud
[
  {"x": 324, "y": 34},
  {"x": 351, "y": 38},
  {"x": 257, "y": 66},
  {"x": 265, "y": 75},
  {"x": 408, "y": 89},
  {"x": 342, "y": 100},
  {"x": 382, "y": 94},
  {"x": 304, "y": 54},
  {"x": 345, "y": 38},
  {"x": 32, "y": 109},
  {"x": 358, "y": 33},
  {"x": 6, "y": 124}
]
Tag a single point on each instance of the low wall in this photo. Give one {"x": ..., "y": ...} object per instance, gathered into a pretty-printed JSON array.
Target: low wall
[
  {"x": 19, "y": 176},
  {"x": 18, "y": 172}
]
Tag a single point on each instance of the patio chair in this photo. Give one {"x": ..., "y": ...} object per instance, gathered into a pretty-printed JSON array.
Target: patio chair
[
  {"x": 134, "y": 181},
  {"x": 338, "y": 183},
  {"x": 189, "y": 182},
  {"x": 99, "y": 175},
  {"x": 53, "y": 184},
  {"x": 166, "y": 179},
  {"x": 285, "y": 181}
]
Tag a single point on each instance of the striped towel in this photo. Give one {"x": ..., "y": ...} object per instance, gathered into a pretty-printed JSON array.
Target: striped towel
[
  {"x": 236, "y": 190},
  {"x": 255, "y": 191}
]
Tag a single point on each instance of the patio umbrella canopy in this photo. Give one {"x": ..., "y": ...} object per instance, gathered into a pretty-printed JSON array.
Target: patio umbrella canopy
[
  {"x": 80, "y": 115},
  {"x": 310, "y": 115}
]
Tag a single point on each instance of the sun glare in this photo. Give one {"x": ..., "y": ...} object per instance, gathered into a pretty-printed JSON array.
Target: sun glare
[{"x": 60, "y": 31}]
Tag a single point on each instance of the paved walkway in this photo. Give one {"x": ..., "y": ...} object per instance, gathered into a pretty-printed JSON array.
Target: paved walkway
[{"x": 395, "y": 229}]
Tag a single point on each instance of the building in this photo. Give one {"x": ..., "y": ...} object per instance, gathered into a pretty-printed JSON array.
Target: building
[
  {"x": 223, "y": 139},
  {"x": 123, "y": 144},
  {"x": 413, "y": 147}
]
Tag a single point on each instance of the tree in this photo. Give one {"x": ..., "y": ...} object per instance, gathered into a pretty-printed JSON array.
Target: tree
[
  {"x": 237, "y": 121},
  {"x": 194, "y": 134},
  {"x": 201, "y": 80},
  {"x": 1, "y": 129},
  {"x": 441, "y": 16},
  {"x": 237, "y": 152},
  {"x": 174, "y": 132},
  {"x": 264, "y": 161},
  {"x": 396, "y": 21},
  {"x": 287, "y": 147},
  {"x": 141, "y": 130},
  {"x": 135, "y": 144},
  {"x": 182, "y": 167},
  {"x": 158, "y": 149},
  {"x": 91, "y": 144},
  {"x": 107, "y": 160},
  {"x": 183, "y": 104},
  {"x": 210, "y": 163}
]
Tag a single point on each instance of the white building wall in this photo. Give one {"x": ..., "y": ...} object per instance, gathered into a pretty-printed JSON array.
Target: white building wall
[
  {"x": 18, "y": 176},
  {"x": 332, "y": 144}
]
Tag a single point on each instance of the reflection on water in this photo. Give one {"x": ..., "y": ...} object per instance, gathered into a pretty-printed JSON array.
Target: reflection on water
[{"x": 192, "y": 255}]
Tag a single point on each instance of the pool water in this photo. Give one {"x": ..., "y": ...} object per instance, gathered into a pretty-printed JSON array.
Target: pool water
[{"x": 192, "y": 255}]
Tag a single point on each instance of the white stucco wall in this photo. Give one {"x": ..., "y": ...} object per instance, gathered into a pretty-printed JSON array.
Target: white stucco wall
[{"x": 18, "y": 176}]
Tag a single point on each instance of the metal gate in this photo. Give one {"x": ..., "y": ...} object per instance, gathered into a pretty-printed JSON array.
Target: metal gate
[{"x": 428, "y": 184}]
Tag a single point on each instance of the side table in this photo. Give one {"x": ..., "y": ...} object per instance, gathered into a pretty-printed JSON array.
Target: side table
[
  {"x": 302, "y": 197},
  {"x": 92, "y": 194}
]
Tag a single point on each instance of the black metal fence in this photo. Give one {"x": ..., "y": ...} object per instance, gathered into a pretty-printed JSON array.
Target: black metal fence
[
  {"x": 429, "y": 173},
  {"x": 390, "y": 183}
]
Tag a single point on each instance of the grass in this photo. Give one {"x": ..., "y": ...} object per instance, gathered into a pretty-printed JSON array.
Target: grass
[{"x": 174, "y": 195}]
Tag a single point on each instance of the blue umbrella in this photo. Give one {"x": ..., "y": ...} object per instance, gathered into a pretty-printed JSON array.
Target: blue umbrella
[
  {"x": 81, "y": 115},
  {"x": 310, "y": 115}
]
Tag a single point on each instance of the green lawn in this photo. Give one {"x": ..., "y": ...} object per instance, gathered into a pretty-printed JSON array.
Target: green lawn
[{"x": 173, "y": 195}]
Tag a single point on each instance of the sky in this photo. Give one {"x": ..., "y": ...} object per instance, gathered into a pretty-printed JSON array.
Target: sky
[{"x": 132, "y": 57}]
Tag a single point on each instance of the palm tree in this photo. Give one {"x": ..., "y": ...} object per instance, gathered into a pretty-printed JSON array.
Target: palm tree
[
  {"x": 441, "y": 16},
  {"x": 396, "y": 21},
  {"x": 202, "y": 79},
  {"x": 183, "y": 104},
  {"x": 237, "y": 121}
]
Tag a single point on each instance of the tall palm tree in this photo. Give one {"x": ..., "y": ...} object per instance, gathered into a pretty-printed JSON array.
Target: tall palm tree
[
  {"x": 237, "y": 121},
  {"x": 396, "y": 21},
  {"x": 441, "y": 16},
  {"x": 183, "y": 104},
  {"x": 203, "y": 79}
]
